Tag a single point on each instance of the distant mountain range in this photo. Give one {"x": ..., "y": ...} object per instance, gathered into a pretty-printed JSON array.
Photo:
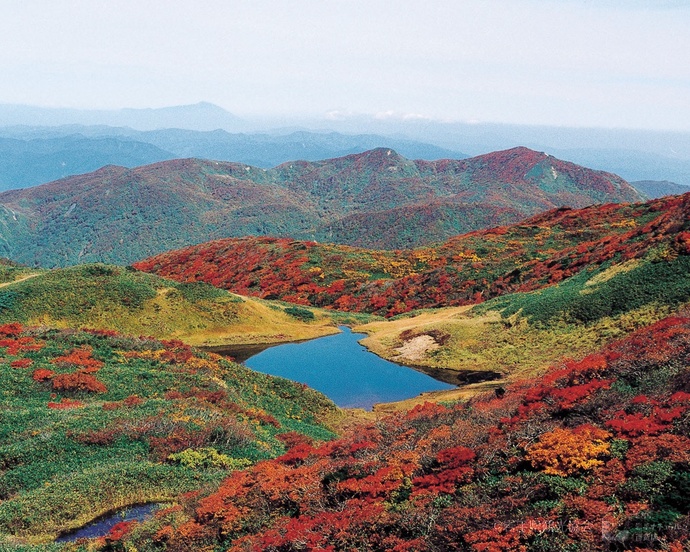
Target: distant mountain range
[
  {"x": 25, "y": 163},
  {"x": 632, "y": 154},
  {"x": 200, "y": 116},
  {"x": 36, "y": 155},
  {"x": 377, "y": 198},
  {"x": 654, "y": 188}
]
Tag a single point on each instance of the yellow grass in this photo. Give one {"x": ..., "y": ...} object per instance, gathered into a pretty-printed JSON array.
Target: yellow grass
[
  {"x": 238, "y": 320},
  {"x": 513, "y": 348}
]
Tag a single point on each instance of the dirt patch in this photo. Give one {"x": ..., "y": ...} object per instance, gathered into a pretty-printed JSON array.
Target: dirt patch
[
  {"x": 417, "y": 348},
  {"x": 438, "y": 336}
]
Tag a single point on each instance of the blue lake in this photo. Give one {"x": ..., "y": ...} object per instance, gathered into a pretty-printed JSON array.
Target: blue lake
[
  {"x": 102, "y": 526},
  {"x": 345, "y": 371}
]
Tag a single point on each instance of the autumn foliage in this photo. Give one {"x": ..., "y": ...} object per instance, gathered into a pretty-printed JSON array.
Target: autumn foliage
[
  {"x": 78, "y": 381},
  {"x": 567, "y": 451},
  {"x": 544, "y": 467},
  {"x": 541, "y": 251}
]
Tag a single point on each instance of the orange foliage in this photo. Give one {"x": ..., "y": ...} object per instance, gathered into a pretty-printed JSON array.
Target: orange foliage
[
  {"x": 568, "y": 451},
  {"x": 78, "y": 381}
]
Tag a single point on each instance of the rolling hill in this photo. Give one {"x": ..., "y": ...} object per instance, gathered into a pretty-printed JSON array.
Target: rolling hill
[
  {"x": 562, "y": 283},
  {"x": 120, "y": 215},
  {"x": 540, "y": 251},
  {"x": 118, "y": 299},
  {"x": 93, "y": 420}
]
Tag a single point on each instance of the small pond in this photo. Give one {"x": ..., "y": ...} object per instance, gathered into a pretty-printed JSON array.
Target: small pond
[
  {"x": 101, "y": 527},
  {"x": 345, "y": 371}
]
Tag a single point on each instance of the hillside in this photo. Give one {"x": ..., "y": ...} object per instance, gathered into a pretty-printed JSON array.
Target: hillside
[
  {"x": 94, "y": 420},
  {"x": 470, "y": 268},
  {"x": 591, "y": 457},
  {"x": 659, "y": 188},
  {"x": 120, "y": 215},
  {"x": 25, "y": 163},
  {"x": 114, "y": 298}
]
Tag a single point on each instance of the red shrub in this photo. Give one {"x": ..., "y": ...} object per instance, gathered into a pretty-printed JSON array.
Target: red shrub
[
  {"x": 65, "y": 404},
  {"x": 79, "y": 357},
  {"x": 11, "y": 330},
  {"x": 21, "y": 363},
  {"x": 120, "y": 530},
  {"x": 78, "y": 381},
  {"x": 42, "y": 374},
  {"x": 132, "y": 400}
]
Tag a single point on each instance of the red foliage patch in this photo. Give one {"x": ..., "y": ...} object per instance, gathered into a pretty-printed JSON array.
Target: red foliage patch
[
  {"x": 42, "y": 375},
  {"x": 65, "y": 404},
  {"x": 80, "y": 358},
  {"x": 11, "y": 330},
  {"x": 78, "y": 381}
]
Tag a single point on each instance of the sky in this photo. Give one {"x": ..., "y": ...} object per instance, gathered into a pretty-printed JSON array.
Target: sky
[{"x": 588, "y": 63}]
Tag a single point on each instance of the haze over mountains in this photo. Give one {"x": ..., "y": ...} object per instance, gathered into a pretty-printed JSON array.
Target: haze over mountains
[
  {"x": 633, "y": 154},
  {"x": 200, "y": 116},
  {"x": 35, "y": 155},
  {"x": 377, "y": 198}
]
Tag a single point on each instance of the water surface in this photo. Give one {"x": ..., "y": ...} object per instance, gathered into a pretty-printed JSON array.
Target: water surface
[
  {"x": 102, "y": 526},
  {"x": 345, "y": 371}
]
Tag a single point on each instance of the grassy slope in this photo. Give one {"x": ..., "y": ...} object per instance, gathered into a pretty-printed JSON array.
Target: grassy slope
[
  {"x": 519, "y": 335},
  {"x": 64, "y": 463},
  {"x": 109, "y": 297}
]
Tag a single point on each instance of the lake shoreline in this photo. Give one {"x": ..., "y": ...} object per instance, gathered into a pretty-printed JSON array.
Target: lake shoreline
[
  {"x": 468, "y": 382},
  {"x": 331, "y": 361}
]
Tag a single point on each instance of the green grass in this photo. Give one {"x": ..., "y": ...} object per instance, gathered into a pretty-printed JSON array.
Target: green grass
[
  {"x": 521, "y": 334},
  {"x": 60, "y": 468},
  {"x": 123, "y": 299},
  {"x": 581, "y": 299}
]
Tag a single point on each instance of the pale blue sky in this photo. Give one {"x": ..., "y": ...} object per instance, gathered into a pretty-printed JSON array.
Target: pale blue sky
[{"x": 606, "y": 63}]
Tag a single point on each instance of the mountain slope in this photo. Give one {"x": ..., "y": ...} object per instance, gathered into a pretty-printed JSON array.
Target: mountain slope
[
  {"x": 25, "y": 163},
  {"x": 659, "y": 188},
  {"x": 119, "y": 215},
  {"x": 540, "y": 251}
]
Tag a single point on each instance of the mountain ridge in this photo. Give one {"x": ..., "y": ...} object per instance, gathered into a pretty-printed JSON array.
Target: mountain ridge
[
  {"x": 34, "y": 155},
  {"x": 120, "y": 214}
]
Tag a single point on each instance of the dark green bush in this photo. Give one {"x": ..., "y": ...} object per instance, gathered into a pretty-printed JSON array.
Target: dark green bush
[{"x": 301, "y": 314}]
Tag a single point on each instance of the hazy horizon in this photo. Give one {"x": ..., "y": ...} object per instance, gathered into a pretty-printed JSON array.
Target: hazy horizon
[{"x": 567, "y": 63}]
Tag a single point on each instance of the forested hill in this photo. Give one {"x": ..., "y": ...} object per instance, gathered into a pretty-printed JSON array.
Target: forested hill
[{"x": 377, "y": 198}]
